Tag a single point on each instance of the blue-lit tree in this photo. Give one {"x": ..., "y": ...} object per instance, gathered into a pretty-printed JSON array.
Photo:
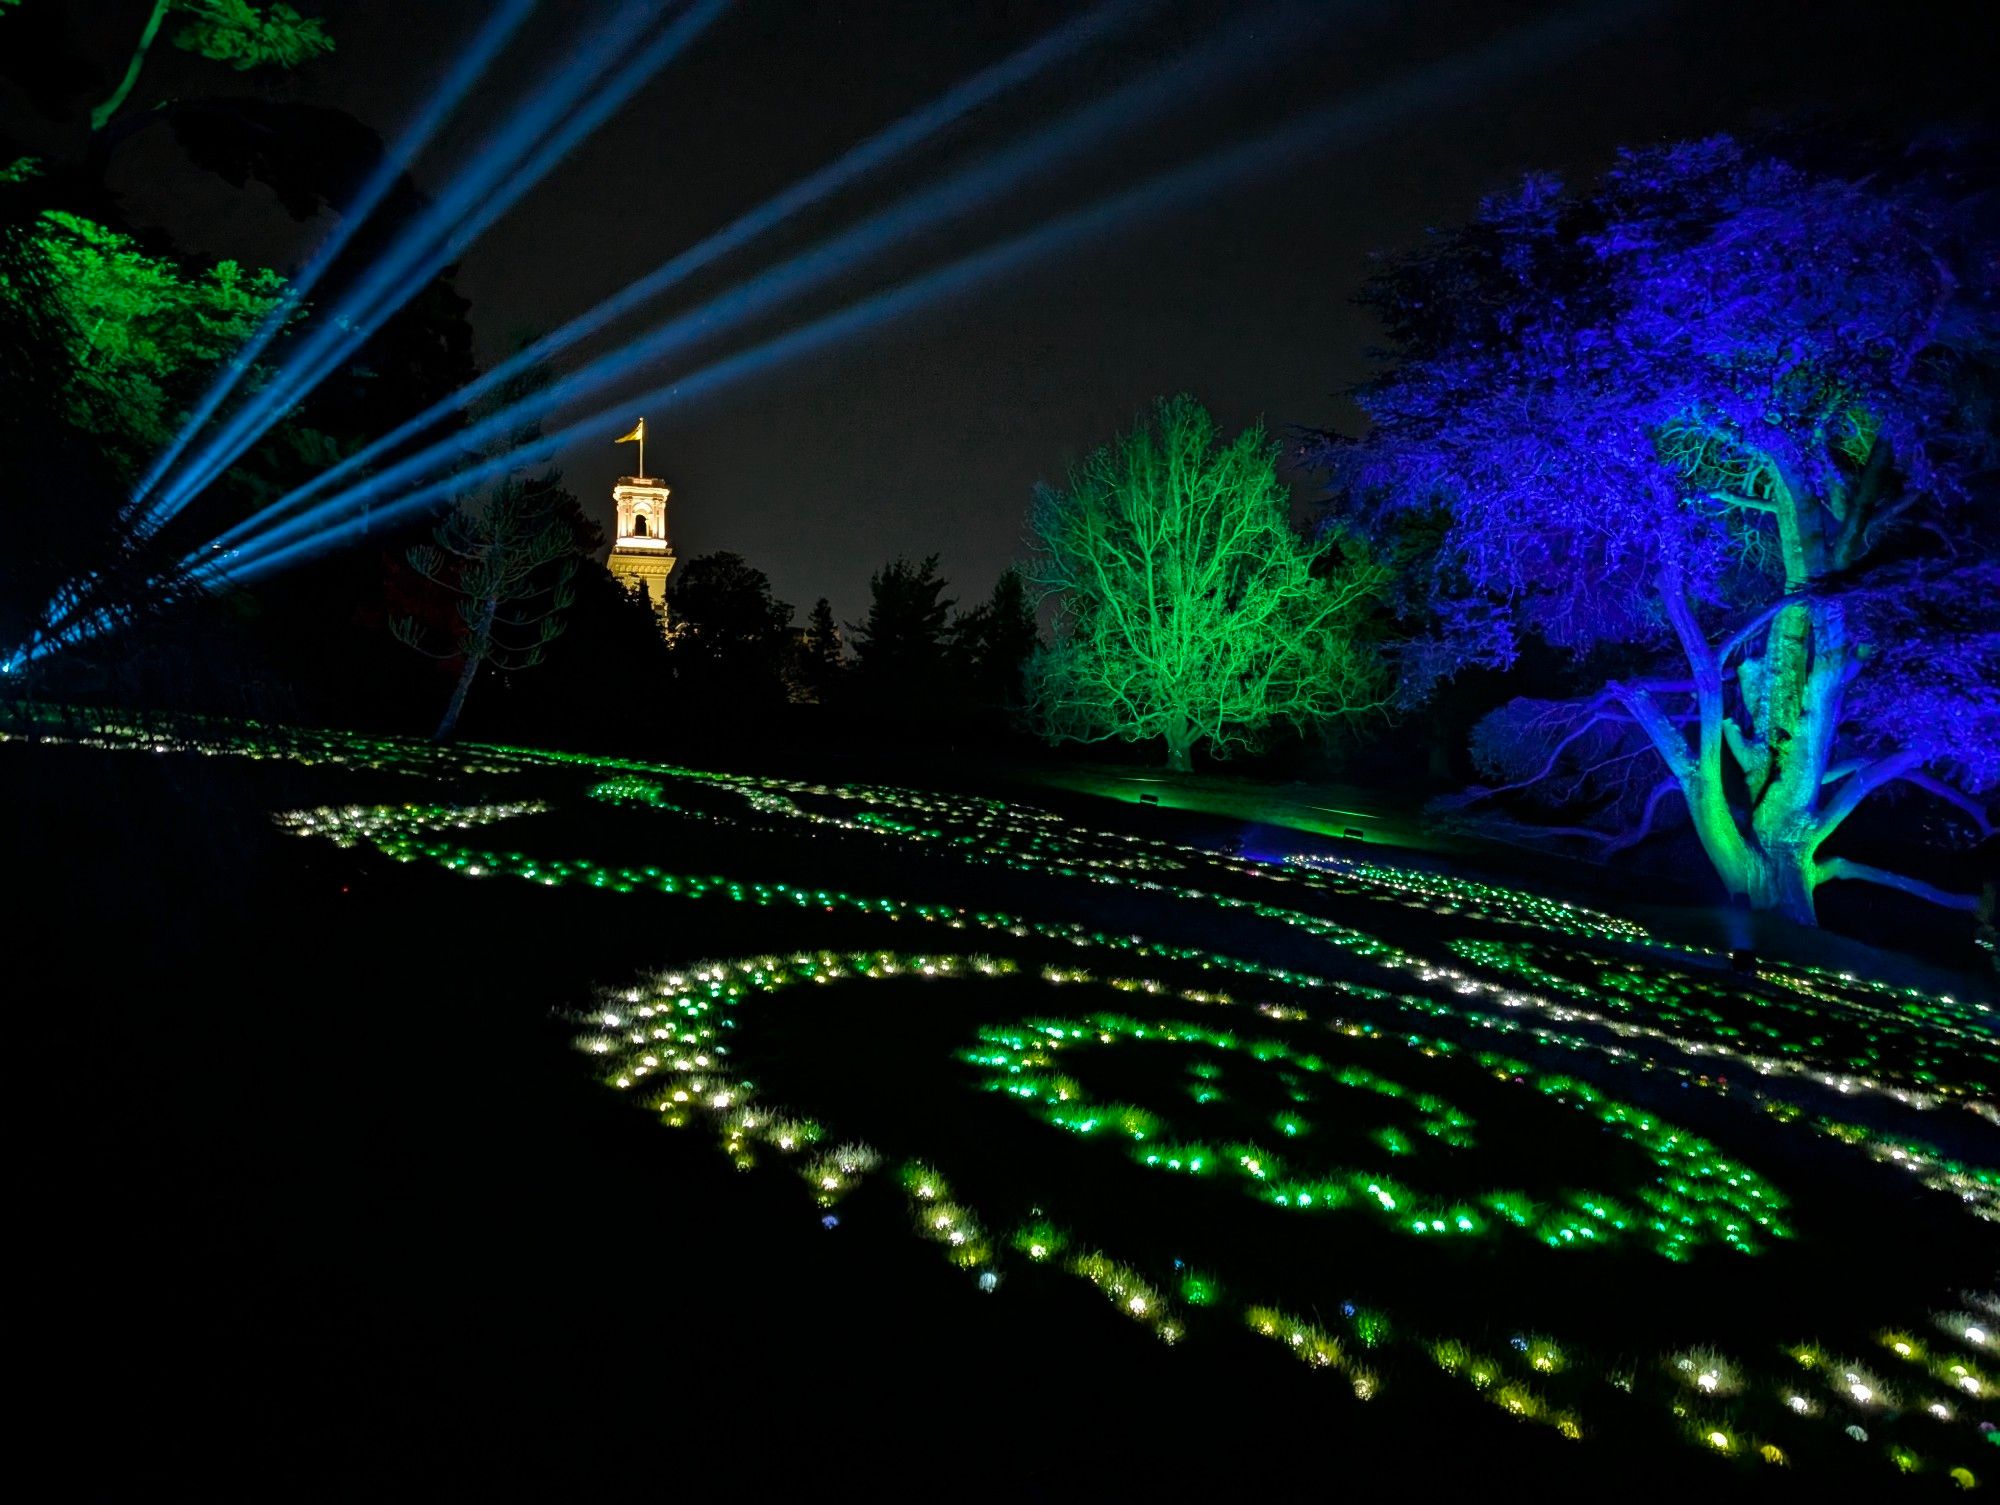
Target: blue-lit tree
[{"x": 1719, "y": 431}]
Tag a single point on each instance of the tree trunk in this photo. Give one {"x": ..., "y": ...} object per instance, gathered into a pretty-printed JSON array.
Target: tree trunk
[
  {"x": 450, "y": 723},
  {"x": 1715, "y": 826},
  {"x": 1180, "y": 743},
  {"x": 475, "y": 655},
  {"x": 1782, "y": 880}
]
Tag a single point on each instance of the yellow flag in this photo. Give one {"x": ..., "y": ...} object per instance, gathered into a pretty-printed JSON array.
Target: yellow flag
[{"x": 637, "y": 436}]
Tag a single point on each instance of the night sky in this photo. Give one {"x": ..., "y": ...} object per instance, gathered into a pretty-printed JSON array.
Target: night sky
[{"x": 929, "y": 436}]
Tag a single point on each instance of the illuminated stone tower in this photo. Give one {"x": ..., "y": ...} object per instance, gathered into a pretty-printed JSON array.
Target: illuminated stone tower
[{"x": 641, "y": 555}]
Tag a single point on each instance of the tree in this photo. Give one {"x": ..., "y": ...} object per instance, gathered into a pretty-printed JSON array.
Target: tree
[
  {"x": 509, "y": 555},
  {"x": 107, "y": 344},
  {"x": 1187, "y": 607},
  {"x": 728, "y": 636},
  {"x": 993, "y": 643},
  {"x": 125, "y": 334},
  {"x": 144, "y": 331},
  {"x": 822, "y": 657},
  {"x": 1718, "y": 430},
  {"x": 900, "y": 645},
  {"x": 224, "y": 31}
]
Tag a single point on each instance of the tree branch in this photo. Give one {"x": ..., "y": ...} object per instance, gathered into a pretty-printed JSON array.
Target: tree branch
[
  {"x": 1861, "y": 872},
  {"x": 1860, "y": 785},
  {"x": 1664, "y": 735},
  {"x": 1951, "y": 796},
  {"x": 1731, "y": 499},
  {"x": 102, "y": 114},
  {"x": 1631, "y": 838}
]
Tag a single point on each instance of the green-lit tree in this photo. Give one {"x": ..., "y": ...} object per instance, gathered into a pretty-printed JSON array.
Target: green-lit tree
[
  {"x": 225, "y": 31},
  {"x": 1187, "y": 608},
  {"x": 143, "y": 330},
  {"x": 105, "y": 344},
  {"x": 509, "y": 555}
]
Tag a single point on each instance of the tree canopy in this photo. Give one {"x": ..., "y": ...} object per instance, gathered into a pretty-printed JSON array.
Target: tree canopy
[
  {"x": 900, "y": 644},
  {"x": 1720, "y": 424},
  {"x": 234, "y": 32},
  {"x": 1188, "y": 609},
  {"x": 993, "y": 642},
  {"x": 144, "y": 331},
  {"x": 729, "y": 638}
]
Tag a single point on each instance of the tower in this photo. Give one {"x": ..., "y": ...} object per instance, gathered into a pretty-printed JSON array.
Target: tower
[{"x": 641, "y": 555}]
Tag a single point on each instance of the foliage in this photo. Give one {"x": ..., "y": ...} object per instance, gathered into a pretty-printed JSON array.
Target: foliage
[
  {"x": 728, "y": 636},
  {"x": 224, "y": 31},
  {"x": 239, "y": 34},
  {"x": 821, "y": 658},
  {"x": 106, "y": 343},
  {"x": 899, "y": 645},
  {"x": 127, "y": 332},
  {"x": 142, "y": 331},
  {"x": 1187, "y": 607},
  {"x": 509, "y": 554},
  {"x": 993, "y": 643},
  {"x": 41, "y": 454},
  {"x": 1720, "y": 426}
]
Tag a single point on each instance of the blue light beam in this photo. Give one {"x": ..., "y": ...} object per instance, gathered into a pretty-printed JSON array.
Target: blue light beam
[
  {"x": 599, "y": 77},
  {"x": 1341, "y": 126},
  {"x": 878, "y": 151},
  {"x": 1207, "y": 66},
  {"x": 443, "y": 101}
]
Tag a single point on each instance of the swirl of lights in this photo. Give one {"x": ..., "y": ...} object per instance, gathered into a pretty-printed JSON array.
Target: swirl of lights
[{"x": 1546, "y": 1014}]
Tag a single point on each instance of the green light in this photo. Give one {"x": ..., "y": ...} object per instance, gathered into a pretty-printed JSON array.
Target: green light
[{"x": 1535, "y": 1035}]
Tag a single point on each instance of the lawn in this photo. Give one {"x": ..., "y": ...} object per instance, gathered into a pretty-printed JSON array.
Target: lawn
[{"x": 501, "y": 1121}]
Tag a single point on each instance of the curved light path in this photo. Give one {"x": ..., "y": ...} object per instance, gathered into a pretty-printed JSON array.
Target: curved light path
[{"x": 1478, "y": 1069}]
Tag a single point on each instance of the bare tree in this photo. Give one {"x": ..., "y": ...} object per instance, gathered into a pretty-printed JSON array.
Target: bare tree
[{"x": 1187, "y": 608}]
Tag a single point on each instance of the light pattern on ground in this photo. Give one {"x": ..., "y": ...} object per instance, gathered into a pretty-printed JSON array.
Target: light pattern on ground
[{"x": 1447, "y": 1064}]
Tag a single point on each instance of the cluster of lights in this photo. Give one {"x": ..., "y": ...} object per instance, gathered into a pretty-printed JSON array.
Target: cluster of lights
[
  {"x": 209, "y": 737},
  {"x": 353, "y": 825},
  {"x": 1311, "y": 1345},
  {"x": 1442, "y": 894},
  {"x": 1132, "y": 1294},
  {"x": 665, "y": 1037},
  {"x": 1695, "y": 1194},
  {"x": 670, "y": 1031},
  {"x": 1977, "y": 1188},
  {"x": 1846, "y": 1042},
  {"x": 1490, "y": 1378},
  {"x": 665, "y": 1042}
]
